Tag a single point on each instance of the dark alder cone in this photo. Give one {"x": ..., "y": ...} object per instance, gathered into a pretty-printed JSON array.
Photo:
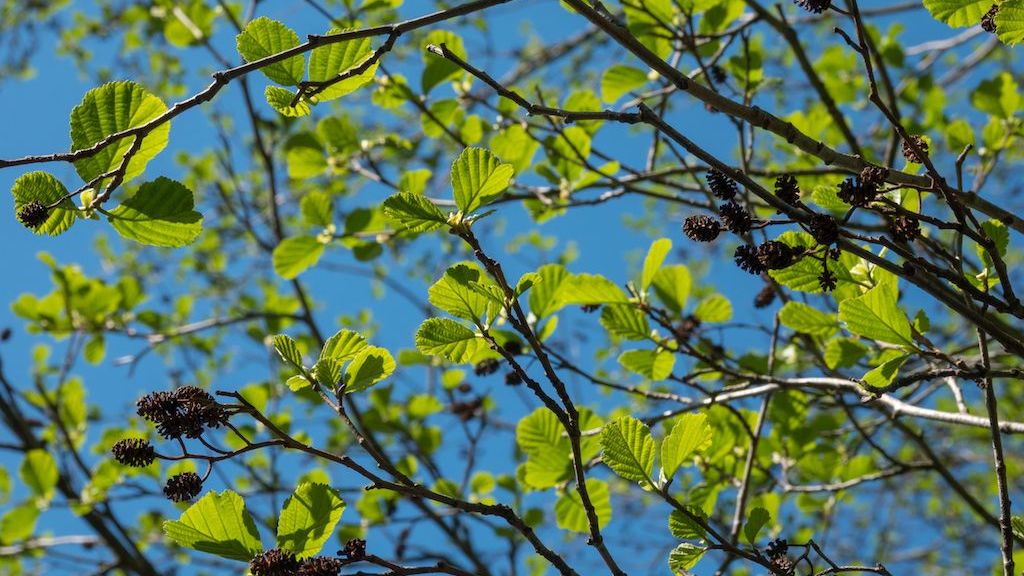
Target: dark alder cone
[
  {"x": 274, "y": 562},
  {"x": 700, "y": 228},
  {"x": 777, "y": 547},
  {"x": 468, "y": 409},
  {"x": 827, "y": 280},
  {"x": 590, "y": 308},
  {"x": 686, "y": 328},
  {"x": 774, "y": 255},
  {"x": 465, "y": 388},
  {"x": 183, "y": 487},
  {"x": 201, "y": 405},
  {"x": 904, "y": 229},
  {"x": 186, "y": 412},
  {"x": 33, "y": 214},
  {"x": 721, "y": 185},
  {"x": 909, "y": 154},
  {"x": 988, "y": 21},
  {"x": 735, "y": 217},
  {"x": 513, "y": 347},
  {"x": 486, "y": 367},
  {"x": 857, "y": 192},
  {"x": 718, "y": 74},
  {"x": 814, "y": 6},
  {"x": 164, "y": 410},
  {"x": 873, "y": 175},
  {"x": 824, "y": 228},
  {"x": 513, "y": 379},
  {"x": 320, "y": 566},
  {"x": 134, "y": 452},
  {"x": 765, "y": 297},
  {"x": 355, "y": 549},
  {"x": 746, "y": 258},
  {"x": 787, "y": 189}
]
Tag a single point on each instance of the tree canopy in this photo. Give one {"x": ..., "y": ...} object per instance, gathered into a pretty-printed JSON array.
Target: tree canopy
[{"x": 502, "y": 287}]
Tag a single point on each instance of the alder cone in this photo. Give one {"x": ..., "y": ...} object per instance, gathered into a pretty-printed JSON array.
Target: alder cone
[
  {"x": 701, "y": 228},
  {"x": 825, "y": 229},
  {"x": 735, "y": 217},
  {"x": 183, "y": 487},
  {"x": 988, "y": 21},
  {"x": 786, "y": 189},
  {"x": 33, "y": 214},
  {"x": 746, "y": 258},
  {"x": 721, "y": 185},
  {"x": 774, "y": 255},
  {"x": 134, "y": 452},
  {"x": 814, "y": 6},
  {"x": 274, "y": 562}
]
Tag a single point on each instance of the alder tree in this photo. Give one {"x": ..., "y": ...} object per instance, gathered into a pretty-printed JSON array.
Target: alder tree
[{"x": 503, "y": 287}]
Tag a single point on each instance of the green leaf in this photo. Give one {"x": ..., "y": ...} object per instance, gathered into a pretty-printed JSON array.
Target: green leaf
[
  {"x": 807, "y": 320},
  {"x": 1017, "y": 525},
  {"x": 570, "y": 514},
  {"x": 45, "y": 189},
  {"x": 288, "y": 350},
  {"x": 684, "y": 557},
  {"x": 620, "y": 79},
  {"x": 672, "y": 286},
  {"x": 714, "y": 308},
  {"x": 95, "y": 349},
  {"x": 625, "y": 321},
  {"x": 458, "y": 293},
  {"x": 217, "y": 524},
  {"x": 109, "y": 109},
  {"x": 317, "y": 208},
  {"x": 652, "y": 263},
  {"x": 18, "y": 523},
  {"x": 265, "y": 37},
  {"x": 414, "y": 212},
  {"x": 568, "y": 151},
  {"x": 293, "y": 256},
  {"x": 589, "y": 289},
  {"x": 999, "y": 234},
  {"x": 39, "y": 473},
  {"x": 160, "y": 213},
  {"x": 1010, "y": 22},
  {"x": 448, "y": 339},
  {"x": 343, "y": 346},
  {"x": 803, "y": 274},
  {"x": 999, "y": 96},
  {"x": 628, "y": 449},
  {"x": 369, "y": 367},
  {"x": 515, "y": 146},
  {"x": 308, "y": 518},
  {"x": 958, "y": 13},
  {"x": 876, "y": 315},
  {"x": 543, "y": 298},
  {"x": 683, "y": 527},
  {"x": 327, "y": 62},
  {"x": 843, "y": 352},
  {"x": 883, "y": 374},
  {"x": 437, "y": 69},
  {"x": 478, "y": 177},
  {"x": 690, "y": 436},
  {"x": 756, "y": 520},
  {"x": 652, "y": 364},
  {"x": 538, "y": 431},
  {"x": 281, "y": 99},
  {"x": 326, "y": 371}
]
